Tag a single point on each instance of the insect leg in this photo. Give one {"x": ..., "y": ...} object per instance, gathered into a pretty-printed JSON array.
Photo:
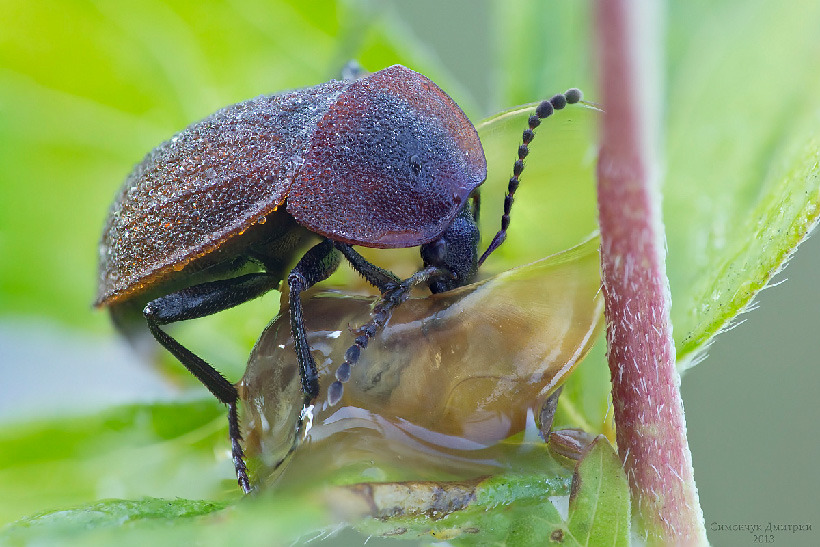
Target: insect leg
[
  {"x": 548, "y": 413},
  {"x": 200, "y": 301},
  {"x": 316, "y": 265},
  {"x": 382, "y": 279}
]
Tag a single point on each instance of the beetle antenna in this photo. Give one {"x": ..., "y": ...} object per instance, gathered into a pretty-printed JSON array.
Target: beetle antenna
[
  {"x": 382, "y": 311},
  {"x": 543, "y": 110}
]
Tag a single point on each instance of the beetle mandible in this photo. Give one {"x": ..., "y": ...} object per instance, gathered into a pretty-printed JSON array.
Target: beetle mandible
[{"x": 216, "y": 215}]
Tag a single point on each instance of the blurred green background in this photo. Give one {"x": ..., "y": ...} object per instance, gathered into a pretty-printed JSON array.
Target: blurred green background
[{"x": 87, "y": 88}]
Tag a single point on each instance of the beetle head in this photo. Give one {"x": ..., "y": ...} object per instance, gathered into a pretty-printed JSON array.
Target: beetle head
[{"x": 455, "y": 251}]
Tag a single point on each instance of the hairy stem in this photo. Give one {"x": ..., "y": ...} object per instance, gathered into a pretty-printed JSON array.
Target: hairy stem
[{"x": 651, "y": 431}]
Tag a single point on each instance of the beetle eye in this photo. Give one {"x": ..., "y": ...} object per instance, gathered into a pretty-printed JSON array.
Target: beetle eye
[{"x": 415, "y": 164}]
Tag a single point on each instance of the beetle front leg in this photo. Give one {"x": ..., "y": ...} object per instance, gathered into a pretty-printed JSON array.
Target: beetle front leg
[{"x": 316, "y": 265}]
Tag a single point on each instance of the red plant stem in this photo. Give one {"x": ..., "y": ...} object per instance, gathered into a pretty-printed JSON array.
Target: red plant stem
[{"x": 651, "y": 431}]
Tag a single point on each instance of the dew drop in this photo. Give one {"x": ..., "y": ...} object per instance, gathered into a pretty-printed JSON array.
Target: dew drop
[{"x": 415, "y": 164}]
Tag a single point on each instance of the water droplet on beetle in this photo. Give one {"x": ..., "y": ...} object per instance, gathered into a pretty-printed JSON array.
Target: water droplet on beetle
[{"x": 415, "y": 164}]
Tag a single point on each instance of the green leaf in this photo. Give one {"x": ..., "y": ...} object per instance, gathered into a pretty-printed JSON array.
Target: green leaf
[
  {"x": 70, "y": 523},
  {"x": 510, "y": 508},
  {"x": 140, "y": 449},
  {"x": 599, "y": 505},
  {"x": 742, "y": 183},
  {"x": 127, "y": 452},
  {"x": 516, "y": 509},
  {"x": 153, "y": 521}
]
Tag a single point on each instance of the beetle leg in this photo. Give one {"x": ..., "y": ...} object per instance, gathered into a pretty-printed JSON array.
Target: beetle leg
[
  {"x": 382, "y": 279},
  {"x": 316, "y": 265},
  {"x": 548, "y": 413},
  {"x": 199, "y": 301}
]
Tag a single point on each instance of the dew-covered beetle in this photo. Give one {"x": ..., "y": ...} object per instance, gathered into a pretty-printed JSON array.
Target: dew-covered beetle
[{"x": 217, "y": 215}]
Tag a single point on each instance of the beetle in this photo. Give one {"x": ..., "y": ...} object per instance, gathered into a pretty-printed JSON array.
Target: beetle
[{"x": 217, "y": 215}]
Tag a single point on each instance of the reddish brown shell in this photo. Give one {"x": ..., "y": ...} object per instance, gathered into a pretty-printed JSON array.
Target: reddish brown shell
[
  {"x": 384, "y": 161},
  {"x": 389, "y": 164}
]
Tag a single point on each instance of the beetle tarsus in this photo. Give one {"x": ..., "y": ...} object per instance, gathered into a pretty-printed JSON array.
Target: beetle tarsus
[{"x": 237, "y": 454}]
